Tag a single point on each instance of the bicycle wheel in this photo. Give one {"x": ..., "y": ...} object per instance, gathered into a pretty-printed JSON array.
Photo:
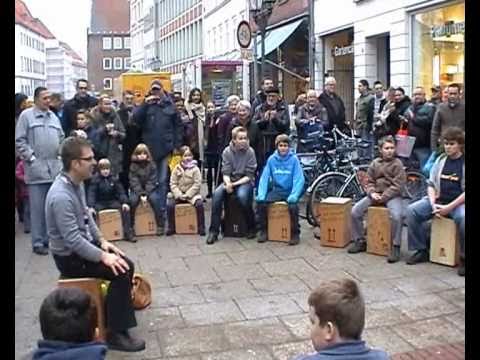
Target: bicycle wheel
[
  {"x": 352, "y": 190},
  {"x": 416, "y": 185},
  {"x": 326, "y": 185}
]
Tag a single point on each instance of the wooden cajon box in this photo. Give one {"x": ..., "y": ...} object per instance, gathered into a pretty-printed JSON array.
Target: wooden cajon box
[
  {"x": 234, "y": 224},
  {"x": 185, "y": 219},
  {"x": 145, "y": 223},
  {"x": 379, "y": 234},
  {"x": 279, "y": 224},
  {"x": 110, "y": 224},
  {"x": 444, "y": 242},
  {"x": 334, "y": 217},
  {"x": 93, "y": 287}
]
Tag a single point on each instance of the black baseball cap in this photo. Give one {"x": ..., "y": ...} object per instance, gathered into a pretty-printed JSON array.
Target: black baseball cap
[{"x": 273, "y": 90}]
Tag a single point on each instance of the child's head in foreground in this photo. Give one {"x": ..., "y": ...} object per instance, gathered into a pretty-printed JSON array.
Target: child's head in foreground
[
  {"x": 337, "y": 313},
  {"x": 68, "y": 314}
]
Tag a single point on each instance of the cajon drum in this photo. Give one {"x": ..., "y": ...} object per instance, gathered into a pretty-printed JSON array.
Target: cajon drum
[
  {"x": 234, "y": 224},
  {"x": 379, "y": 234},
  {"x": 334, "y": 217},
  {"x": 145, "y": 223},
  {"x": 444, "y": 242},
  {"x": 110, "y": 224},
  {"x": 93, "y": 287},
  {"x": 185, "y": 219},
  {"x": 279, "y": 224}
]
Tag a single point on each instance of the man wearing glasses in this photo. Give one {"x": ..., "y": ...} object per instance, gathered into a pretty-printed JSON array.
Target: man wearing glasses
[
  {"x": 81, "y": 100},
  {"x": 38, "y": 136},
  {"x": 79, "y": 248}
]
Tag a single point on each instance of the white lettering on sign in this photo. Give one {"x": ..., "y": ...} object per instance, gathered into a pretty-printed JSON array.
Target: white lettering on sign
[
  {"x": 448, "y": 29},
  {"x": 341, "y": 51}
]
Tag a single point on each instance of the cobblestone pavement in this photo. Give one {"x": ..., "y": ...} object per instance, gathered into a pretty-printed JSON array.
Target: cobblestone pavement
[{"x": 241, "y": 300}]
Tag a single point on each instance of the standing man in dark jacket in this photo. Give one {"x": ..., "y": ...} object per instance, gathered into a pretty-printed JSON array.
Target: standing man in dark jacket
[
  {"x": 38, "y": 136},
  {"x": 334, "y": 104},
  {"x": 261, "y": 96},
  {"x": 161, "y": 129},
  {"x": 81, "y": 100},
  {"x": 396, "y": 119},
  {"x": 272, "y": 119},
  {"x": 420, "y": 118},
  {"x": 449, "y": 114},
  {"x": 132, "y": 134}
]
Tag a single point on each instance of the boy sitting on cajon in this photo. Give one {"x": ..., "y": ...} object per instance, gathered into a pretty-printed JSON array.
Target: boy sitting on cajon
[
  {"x": 283, "y": 170},
  {"x": 386, "y": 179},
  {"x": 446, "y": 197}
]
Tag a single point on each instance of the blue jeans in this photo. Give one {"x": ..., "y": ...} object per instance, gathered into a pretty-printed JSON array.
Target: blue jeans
[
  {"x": 244, "y": 194},
  {"x": 422, "y": 155},
  {"x": 162, "y": 177},
  {"x": 420, "y": 212},
  {"x": 367, "y": 136},
  {"x": 37, "y": 195}
]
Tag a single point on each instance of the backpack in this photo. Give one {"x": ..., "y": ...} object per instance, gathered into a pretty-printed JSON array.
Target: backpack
[{"x": 141, "y": 292}]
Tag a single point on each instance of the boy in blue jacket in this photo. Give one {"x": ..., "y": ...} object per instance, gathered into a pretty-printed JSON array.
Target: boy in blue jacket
[
  {"x": 337, "y": 315},
  {"x": 68, "y": 320},
  {"x": 284, "y": 172}
]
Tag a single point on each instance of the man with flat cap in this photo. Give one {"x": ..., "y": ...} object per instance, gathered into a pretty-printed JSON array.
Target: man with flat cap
[
  {"x": 272, "y": 118},
  {"x": 161, "y": 129}
]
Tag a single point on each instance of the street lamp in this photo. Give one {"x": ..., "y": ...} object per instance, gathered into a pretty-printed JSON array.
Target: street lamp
[{"x": 261, "y": 11}]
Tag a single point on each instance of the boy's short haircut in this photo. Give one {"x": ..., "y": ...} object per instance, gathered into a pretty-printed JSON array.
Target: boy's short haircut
[
  {"x": 340, "y": 302},
  {"x": 104, "y": 164},
  {"x": 282, "y": 138},
  {"x": 68, "y": 314},
  {"x": 238, "y": 130},
  {"x": 71, "y": 149},
  {"x": 454, "y": 134},
  {"x": 386, "y": 139}
]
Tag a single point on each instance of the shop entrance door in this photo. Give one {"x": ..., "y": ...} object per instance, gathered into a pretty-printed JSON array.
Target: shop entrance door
[{"x": 343, "y": 73}]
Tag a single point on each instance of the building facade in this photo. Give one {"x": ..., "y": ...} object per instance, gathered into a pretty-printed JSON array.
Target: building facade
[
  {"x": 108, "y": 42},
  {"x": 64, "y": 68},
  {"x": 403, "y": 43},
  {"x": 31, "y": 36}
]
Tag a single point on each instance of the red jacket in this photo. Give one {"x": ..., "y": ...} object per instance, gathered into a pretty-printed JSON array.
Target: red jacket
[{"x": 22, "y": 191}]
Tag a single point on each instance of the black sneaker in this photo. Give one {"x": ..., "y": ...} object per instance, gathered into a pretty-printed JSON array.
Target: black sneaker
[
  {"x": 160, "y": 230},
  {"x": 211, "y": 238},
  {"x": 461, "y": 268},
  {"x": 129, "y": 237},
  {"x": 262, "y": 237},
  {"x": 394, "y": 255},
  {"x": 357, "y": 247},
  {"x": 209, "y": 195},
  {"x": 420, "y": 256},
  {"x": 170, "y": 232},
  {"x": 40, "y": 250},
  {"x": 294, "y": 240},
  {"x": 122, "y": 341},
  {"x": 251, "y": 234},
  {"x": 201, "y": 232}
]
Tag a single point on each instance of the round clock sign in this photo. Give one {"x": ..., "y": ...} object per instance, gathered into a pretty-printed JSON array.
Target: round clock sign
[{"x": 244, "y": 34}]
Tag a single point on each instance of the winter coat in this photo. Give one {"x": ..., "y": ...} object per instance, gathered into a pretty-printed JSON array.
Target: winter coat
[
  {"x": 335, "y": 117},
  {"x": 446, "y": 117},
  {"x": 72, "y": 106},
  {"x": 22, "y": 191},
  {"x": 40, "y": 134},
  {"x": 286, "y": 176},
  {"x": 186, "y": 181},
  {"x": 161, "y": 127},
  {"x": 420, "y": 119},
  {"x": 259, "y": 99},
  {"x": 104, "y": 190},
  {"x": 347, "y": 350},
  {"x": 311, "y": 119},
  {"x": 196, "y": 113},
  {"x": 132, "y": 134},
  {"x": 238, "y": 163},
  {"x": 109, "y": 146},
  {"x": 278, "y": 124},
  {"x": 393, "y": 121},
  {"x": 211, "y": 146},
  {"x": 364, "y": 105},
  {"x": 60, "y": 350},
  {"x": 386, "y": 178},
  {"x": 253, "y": 132},
  {"x": 142, "y": 177},
  {"x": 222, "y": 128}
]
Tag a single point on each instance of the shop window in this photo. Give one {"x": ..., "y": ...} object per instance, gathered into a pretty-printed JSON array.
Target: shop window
[
  {"x": 439, "y": 46},
  {"x": 107, "y": 43}
]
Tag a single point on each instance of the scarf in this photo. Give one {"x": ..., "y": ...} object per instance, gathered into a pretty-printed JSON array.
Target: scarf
[{"x": 188, "y": 164}]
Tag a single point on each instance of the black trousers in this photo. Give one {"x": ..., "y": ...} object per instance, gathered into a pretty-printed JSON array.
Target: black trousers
[{"x": 120, "y": 314}]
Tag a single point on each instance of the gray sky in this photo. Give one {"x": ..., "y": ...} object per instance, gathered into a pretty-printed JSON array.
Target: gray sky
[{"x": 67, "y": 20}]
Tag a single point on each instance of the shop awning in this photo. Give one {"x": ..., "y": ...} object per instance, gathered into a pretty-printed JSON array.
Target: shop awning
[{"x": 274, "y": 38}]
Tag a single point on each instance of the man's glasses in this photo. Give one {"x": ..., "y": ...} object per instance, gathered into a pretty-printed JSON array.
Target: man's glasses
[{"x": 83, "y": 88}]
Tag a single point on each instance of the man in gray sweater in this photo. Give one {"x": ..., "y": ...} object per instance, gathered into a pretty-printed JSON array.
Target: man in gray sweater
[
  {"x": 79, "y": 249},
  {"x": 449, "y": 114},
  {"x": 38, "y": 135}
]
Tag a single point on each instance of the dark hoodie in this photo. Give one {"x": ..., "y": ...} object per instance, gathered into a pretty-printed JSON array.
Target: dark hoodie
[
  {"x": 393, "y": 120},
  {"x": 60, "y": 350},
  {"x": 347, "y": 350},
  {"x": 72, "y": 106}
]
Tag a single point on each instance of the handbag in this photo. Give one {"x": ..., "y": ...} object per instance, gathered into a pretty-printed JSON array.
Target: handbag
[{"x": 141, "y": 292}]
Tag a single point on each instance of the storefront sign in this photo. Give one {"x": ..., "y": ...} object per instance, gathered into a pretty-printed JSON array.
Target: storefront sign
[
  {"x": 448, "y": 29},
  {"x": 341, "y": 51},
  {"x": 221, "y": 89}
]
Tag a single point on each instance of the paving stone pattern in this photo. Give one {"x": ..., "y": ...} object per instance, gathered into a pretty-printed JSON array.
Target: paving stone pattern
[{"x": 241, "y": 300}]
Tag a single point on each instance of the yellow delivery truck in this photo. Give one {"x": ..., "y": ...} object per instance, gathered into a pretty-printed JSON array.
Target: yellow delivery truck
[{"x": 139, "y": 83}]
